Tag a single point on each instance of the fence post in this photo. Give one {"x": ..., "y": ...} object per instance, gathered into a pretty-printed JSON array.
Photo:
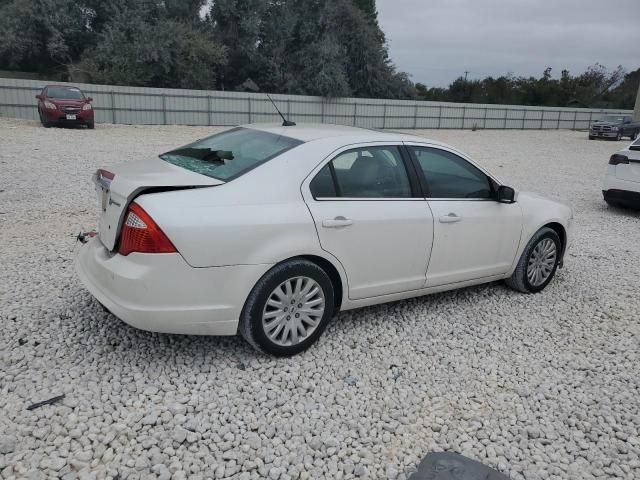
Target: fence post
[
  {"x": 288, "y": 109},
  {"x": 209, "y": 112},
  {"x": 524, "y": 114},
  {"x": 575, "y": 115},
  {"x": 484, "y": 119},
  {"x": 249, "y": 108},
  {"x": 113, "y": 107},
  {"x": 164, "y": 108},
  {"x": 415, "y": 116},
  {"x": 384, "y": 117},
  {"x": 542, "y": 120},
  {"x": 558, "y": 124},
  {"x": 504, "y": 127},
  {"x": 439, "y": 116},
  {"x": 590, "y": 118},
  {"x": 464, "y": 116},
  {"x": 355, "y": 113}
]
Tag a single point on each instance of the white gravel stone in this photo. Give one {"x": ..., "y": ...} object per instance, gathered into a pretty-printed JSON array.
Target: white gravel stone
[{"x": 537, "y": 386}]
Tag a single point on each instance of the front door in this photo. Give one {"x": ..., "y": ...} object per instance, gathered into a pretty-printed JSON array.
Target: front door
[
  {"x": 369, "y": 217},
  {"x": 474, "y": 235}
]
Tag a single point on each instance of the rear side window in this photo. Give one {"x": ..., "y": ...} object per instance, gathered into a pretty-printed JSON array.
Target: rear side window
[
  {"x": 229, "y": 154},
  {"x": 451, "y": 176},
  {"x": 368, "y": 172}
]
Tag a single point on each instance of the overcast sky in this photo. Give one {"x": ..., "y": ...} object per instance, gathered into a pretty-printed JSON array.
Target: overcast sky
[{"x": 437, "y": 40}]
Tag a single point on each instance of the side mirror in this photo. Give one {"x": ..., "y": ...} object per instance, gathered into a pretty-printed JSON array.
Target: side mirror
[
  {"x": 39, "y": 97},
  {"x": 506, "y": 194},
  {"x": 89, "y": 99}
]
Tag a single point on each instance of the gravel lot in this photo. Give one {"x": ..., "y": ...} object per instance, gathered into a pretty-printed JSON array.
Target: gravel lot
[{"x": 537, "y": 386}]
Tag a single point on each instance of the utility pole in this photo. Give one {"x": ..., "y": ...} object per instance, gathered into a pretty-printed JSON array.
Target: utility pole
[
  {"x": 636, "y": 110},
  {"x": 465, "y": 76}
]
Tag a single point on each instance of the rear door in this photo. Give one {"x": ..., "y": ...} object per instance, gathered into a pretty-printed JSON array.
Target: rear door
[{"x": 370, "y": 215}]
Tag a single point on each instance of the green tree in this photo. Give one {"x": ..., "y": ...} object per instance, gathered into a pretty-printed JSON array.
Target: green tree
[{"x": 163, "y": 53}]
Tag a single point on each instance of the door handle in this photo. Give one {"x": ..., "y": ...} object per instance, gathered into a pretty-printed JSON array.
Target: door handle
[
  {"x": 450, "y": 218},
  {"x": 337, "y": 222}
]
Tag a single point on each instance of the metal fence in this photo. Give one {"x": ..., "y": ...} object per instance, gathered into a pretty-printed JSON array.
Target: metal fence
[{"x": 140, "y": 105}]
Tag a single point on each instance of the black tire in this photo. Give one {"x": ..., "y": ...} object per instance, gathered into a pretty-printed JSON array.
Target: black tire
[
  {"x": 619, "y": 136},
  {"x": 44, "y": 124},
  {"x": 519, "y": 280},
  {"x": 591, "y": 137},
  {"x": 250, "y": 325},
  {"x": 634, "y": 135},
  {"x": 91, "y": 125}
]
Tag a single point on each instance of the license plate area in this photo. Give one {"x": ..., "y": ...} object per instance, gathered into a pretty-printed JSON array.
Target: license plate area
[{"x": 70, "y": 116}]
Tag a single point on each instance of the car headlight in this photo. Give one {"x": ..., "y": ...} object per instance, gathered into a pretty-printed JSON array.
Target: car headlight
[
  {"x": 86, "y": 106},
  {"x": 614, "y": 129},
  {"x": 50, "y": 105}
]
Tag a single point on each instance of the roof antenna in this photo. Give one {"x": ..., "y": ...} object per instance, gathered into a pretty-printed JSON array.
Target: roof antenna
[{"x": 285, "y": 122}]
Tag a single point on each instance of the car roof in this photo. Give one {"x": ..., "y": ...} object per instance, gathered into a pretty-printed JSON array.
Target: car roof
[
  {"x": 62, "y": 86},
  {"x": 308, "y": 132}
]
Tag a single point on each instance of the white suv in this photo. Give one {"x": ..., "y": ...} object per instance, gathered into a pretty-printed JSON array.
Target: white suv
[{"x": 622, "y": 183}]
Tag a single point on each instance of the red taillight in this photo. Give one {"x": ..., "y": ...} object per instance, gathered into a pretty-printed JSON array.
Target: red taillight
[
  {"x": 141, "y": 234},
  {"x": 617, "y": 159},
  {"x": 105, "y": 174}
]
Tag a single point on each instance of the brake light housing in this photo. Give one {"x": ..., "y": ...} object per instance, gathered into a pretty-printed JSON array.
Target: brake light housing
[
  {"x": 140, "y": 233},
  {"x": 617, "y": 159}
]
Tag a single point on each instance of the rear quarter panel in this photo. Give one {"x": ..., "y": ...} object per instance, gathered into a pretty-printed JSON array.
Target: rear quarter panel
[{"x": 257, "y": 218}]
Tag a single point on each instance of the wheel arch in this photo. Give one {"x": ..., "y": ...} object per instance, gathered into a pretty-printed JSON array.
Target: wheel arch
[
  {"x": 562, "y": 233},
  {"x": 334, "y": 275}
]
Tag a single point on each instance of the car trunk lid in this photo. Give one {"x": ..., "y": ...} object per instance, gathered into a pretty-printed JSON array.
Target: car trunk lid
[
  {"x": 630, "y": 171},
  {"x": 117, "y": 187}
]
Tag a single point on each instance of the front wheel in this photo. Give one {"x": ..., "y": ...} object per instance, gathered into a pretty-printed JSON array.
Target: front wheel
[
  {"x": 619, "y": 136},
  {"x": 634, "y": 135},
  {"x": 538, "y": 263},
  {"x": 288, "y": 309}
]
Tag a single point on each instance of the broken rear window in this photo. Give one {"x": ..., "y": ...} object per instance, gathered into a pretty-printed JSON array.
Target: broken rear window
[{"x": 229, "y": 154}]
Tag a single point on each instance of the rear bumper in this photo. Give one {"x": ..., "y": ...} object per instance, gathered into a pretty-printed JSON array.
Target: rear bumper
[
  {"x": 622, "y": 197},
  {"x": 162, "y": 293}
]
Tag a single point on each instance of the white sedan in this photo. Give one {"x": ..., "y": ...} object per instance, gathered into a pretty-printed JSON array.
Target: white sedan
[
  {"x": 622, "y": 182},
  {"x": 269, "y": 231}
]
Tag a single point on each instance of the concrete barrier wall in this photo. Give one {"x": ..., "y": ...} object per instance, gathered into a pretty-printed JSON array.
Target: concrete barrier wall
[{"x": 141, "y": 105}]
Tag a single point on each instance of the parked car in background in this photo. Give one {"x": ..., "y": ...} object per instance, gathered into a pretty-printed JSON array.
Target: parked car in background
[
  {"x": 622, "y": 183},
  {"x": 269, "y": 230},
  {"x": 614, "y": 127},
  {"x": 64, "y": 105}
]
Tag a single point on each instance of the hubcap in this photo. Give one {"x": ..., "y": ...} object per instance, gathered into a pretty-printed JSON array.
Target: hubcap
[
  {"x": 293, "y": 311},
  {"x": 541, "y": 262}
]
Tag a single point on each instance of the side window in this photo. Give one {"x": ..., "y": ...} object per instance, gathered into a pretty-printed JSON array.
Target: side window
[
  {"x": 367, "y": 172},
  {"x": 450, "y": 176},
  {"x": 322, "y": 184}
]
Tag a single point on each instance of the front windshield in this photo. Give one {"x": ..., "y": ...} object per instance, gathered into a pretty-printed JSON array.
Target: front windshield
[
  {"x": 65, "y": 93},
  {"x": 229, "y": 154},
  {"x": 612, "y": 119}
]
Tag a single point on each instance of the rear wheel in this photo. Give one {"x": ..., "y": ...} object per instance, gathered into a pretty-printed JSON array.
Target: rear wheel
[
  {"x": 288, "y": 309},
  {"x": 538, "y": 262}
]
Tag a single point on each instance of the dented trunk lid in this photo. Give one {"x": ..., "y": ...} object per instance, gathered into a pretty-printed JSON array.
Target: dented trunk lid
[{"x": 117, "y": 187}]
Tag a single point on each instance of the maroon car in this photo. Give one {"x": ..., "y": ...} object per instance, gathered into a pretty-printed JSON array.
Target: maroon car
[{"x": 62, "y": 105}]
